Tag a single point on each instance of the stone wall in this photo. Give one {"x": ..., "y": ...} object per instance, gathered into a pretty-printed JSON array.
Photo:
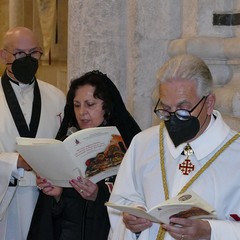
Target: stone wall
[
  {"x": 130, "y": 40},
  {"x": 127, "y": 40},
  {"x": 218, "y": 46}
]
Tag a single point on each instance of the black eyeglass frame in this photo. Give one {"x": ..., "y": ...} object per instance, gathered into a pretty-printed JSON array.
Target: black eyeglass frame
[
  {"x": 23, "y": 54},
  {"x": 177, "y": 113}
]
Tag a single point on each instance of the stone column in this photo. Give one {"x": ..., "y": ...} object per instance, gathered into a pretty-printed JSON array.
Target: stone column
[
  {"x": 128, "y": 41},
  {"x": 95, "y": 30},
  {"x": 151, "y": 25},
  {"x": 16, "y": 13},
  {"x": 21, "y": 13},
  {"x": 98, "y": 40}
]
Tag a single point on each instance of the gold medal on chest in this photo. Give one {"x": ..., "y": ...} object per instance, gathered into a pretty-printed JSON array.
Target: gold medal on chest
[{"x": 187, "y": 167}]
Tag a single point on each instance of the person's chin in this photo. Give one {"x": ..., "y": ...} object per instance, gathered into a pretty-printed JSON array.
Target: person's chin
[{"x": 84, "y": 125}]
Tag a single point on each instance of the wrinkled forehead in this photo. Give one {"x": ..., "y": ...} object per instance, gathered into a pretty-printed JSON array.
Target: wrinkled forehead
[
  {"x": 178, "y": 82},
  {"x": 178, "y": 90}
]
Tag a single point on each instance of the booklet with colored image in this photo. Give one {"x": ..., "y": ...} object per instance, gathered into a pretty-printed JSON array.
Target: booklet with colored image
[
  {"x": 93, "y": 153},
  {"x": 186, "y": 205}
]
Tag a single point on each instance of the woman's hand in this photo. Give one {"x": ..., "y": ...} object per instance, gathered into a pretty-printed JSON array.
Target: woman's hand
[
  {"x": 46, "y": 187},
  {"x": 87, "y": 189}
]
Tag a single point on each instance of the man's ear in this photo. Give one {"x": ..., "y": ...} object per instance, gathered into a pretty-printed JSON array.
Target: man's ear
[
  {"x": 210, "y": 103},
  {"x": 3, "y": 56}
]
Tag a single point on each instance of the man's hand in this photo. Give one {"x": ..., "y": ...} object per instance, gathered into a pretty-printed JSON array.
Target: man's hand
[
  {"x": 21, "y": 163},
  {"x": 136, "y": 224},
  {"x": 188, "y": 229}
]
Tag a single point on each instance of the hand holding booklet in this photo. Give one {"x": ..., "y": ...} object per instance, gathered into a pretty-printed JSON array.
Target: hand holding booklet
[
  {"x": 186, "y": 205},
  {"x": 93, "y": 153}
]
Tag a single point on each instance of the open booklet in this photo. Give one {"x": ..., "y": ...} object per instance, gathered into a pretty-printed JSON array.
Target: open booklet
[
  {"x": 186, "y": 205},
  {"x": 93, "y": 153}
]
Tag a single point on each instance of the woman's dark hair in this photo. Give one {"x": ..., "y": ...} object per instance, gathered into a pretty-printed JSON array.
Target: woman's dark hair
[
  {"x": 95, "y": 79},
  {"x": 116, "y": 113}
]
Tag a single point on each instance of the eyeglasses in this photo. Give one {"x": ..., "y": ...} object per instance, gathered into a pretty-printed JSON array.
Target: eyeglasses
[
  {"x": 181, "y": 114},
  {"x": 20, "y": 54}
]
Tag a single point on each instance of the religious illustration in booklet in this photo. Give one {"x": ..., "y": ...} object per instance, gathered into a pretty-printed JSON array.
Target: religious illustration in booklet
[
  {"x": 93, "y": 153},
  {"x": 110, "y": 157}
]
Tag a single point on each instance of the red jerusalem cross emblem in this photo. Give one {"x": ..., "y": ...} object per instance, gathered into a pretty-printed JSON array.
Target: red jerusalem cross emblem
[{"x": 186, "y": 167}]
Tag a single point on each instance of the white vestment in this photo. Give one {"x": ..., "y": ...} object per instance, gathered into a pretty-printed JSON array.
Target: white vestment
[
  {"x": 17, "y": 203},
  {"x": 139, "y": 180}
]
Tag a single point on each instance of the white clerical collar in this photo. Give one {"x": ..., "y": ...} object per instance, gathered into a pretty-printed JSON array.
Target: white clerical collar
[
  {"x": 201, "y": 146},
  {"x": 23, "y": 86}
]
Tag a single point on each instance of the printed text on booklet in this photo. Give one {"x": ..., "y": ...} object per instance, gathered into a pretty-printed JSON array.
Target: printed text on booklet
[{"x": 186, "y": 205}]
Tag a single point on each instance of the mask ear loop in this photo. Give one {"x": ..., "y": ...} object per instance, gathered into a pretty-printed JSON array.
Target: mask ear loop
[
  {"x": 202, "y": 106},
  {"x": 201, "y": 111},
  {"x": 8, "y": 69}
]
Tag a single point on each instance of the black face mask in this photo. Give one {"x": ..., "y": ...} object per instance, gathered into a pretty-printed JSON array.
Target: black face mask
[
  {"x": 24, "y": 69},
  {"x": 182, "y": 131}
]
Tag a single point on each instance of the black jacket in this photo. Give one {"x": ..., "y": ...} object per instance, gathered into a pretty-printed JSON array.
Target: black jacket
[{"x": 74, "y": 218}]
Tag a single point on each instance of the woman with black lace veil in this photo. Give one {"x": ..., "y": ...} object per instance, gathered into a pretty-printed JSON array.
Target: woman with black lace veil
[{"x": 79, "y": 213}]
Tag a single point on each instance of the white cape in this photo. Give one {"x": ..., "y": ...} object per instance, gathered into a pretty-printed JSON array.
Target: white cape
[
  {"x": 139, "y": 180},
  {"x": 17, "y": 203}
]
